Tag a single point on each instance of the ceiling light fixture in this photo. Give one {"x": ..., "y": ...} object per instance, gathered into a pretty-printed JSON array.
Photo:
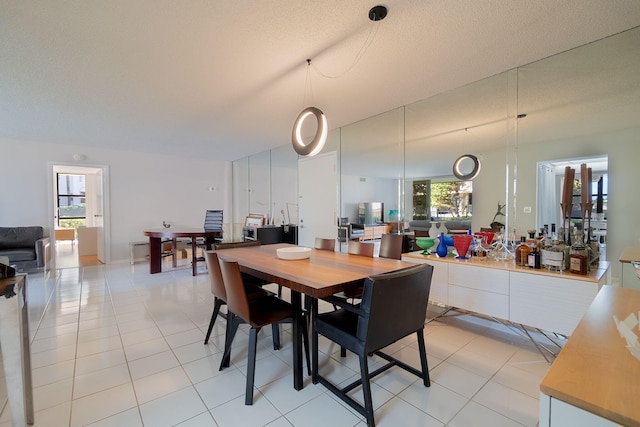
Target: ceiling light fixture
[
  {"x": 316, "y": 144},
  {"x": 376, "y": 13}
]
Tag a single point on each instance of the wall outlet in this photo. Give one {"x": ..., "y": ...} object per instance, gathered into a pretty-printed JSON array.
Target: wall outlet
[{"x": 527, "y": 209}]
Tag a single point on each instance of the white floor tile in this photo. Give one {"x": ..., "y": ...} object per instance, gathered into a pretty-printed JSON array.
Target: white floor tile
[
  {"x": 476, "y": 415},
  {"x": 436, "y": 400},
  {"x": 116, "y": 342},
  {"x": 153, "y": 364},
  {"x": 321, "y": 412},
  {"x": 397, "y": 412},
  {"x": 510, "y": 403},
  {"x": 129, "y": 418},
  {"x": 104, "y": 404},
  {"x": 202, "y": 420},
  {"x": 146, "y": 348},
  {"x": 236, "y": 414},
  {"x": 172, "y": 408},
  {"x": 279, "y": 393},
  {"x": 103, "y": 379},
  {"x": 457, "y": 379},
  {"x": 52, "y": 394},
  {"x": 161, "y": 384}
]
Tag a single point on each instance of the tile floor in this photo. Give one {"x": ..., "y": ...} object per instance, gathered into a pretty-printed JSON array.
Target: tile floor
[{"x": 116, "y": 346}]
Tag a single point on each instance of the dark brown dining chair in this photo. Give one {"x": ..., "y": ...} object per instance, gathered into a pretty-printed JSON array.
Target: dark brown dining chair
[
  {"x": 360, "y": 248},
  {"x": 394, "y": 305},
  {"x": 257, "y": 313},
  {"x": 391, "y": 246},
  {"x": 325, "y": 244},
  {"x": 220, "y": 294}
]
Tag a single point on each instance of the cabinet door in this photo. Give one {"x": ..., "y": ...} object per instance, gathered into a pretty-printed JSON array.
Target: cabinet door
[
  {"x": 479, "y": 289},
  {"x": 553, "y": 304},
  {"x": 439, "y": 280}
]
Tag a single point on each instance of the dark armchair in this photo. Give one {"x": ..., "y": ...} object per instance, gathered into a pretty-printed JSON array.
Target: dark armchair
[
  {"x": 394, "y": 305},
  {"x": 26, "y": 247}
]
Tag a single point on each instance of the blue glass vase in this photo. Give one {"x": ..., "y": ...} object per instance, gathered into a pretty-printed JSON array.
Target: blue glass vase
[{"x": 442, "y": 249}]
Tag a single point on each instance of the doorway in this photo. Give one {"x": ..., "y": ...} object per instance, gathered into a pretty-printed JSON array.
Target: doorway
[
  {"x": 78, "y": 215},
  {"x": 550, "y": 183},
  {"x": 318, "y": 204}
]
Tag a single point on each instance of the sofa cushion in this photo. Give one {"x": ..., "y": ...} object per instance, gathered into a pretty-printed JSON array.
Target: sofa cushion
[
  {"x": 19, "y": 254},
  {"x": 19, "y": 237}
]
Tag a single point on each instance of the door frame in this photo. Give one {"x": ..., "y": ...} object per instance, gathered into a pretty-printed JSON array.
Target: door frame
[{"x": 67, "y": 167}]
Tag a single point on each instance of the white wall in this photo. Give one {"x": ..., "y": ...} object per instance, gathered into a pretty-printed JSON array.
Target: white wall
[
  {"x": 372, "y": 189},
  {"x": 145, "y": 189}
]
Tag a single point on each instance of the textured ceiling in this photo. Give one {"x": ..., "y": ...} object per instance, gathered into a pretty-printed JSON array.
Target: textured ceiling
[{"x": 225, "y": 79}]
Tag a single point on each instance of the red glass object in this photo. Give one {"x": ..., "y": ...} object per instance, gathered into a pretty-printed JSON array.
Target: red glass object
[
  {"x": 489, "y": 235},
  {"x": 462, "y": 242}
]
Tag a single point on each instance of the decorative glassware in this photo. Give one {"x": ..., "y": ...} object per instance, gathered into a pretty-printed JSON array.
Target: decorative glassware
[
  {"x": 462, "y": 242},
  {"x": 442, "y": 249},
  {"x": 433, "y": 231},
  {"x": 425, "y": 243}
]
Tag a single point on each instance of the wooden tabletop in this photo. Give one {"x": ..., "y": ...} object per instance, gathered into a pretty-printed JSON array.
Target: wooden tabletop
[
  {"x": 323, "y": 274},
  {"x": 595, "y": 371},
  {"x": 630, "y": 253}
]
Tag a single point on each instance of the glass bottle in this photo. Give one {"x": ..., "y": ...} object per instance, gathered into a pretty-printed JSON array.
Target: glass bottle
[
  {"x": 554, "y": 256},
  {"x": 579, "y": 255},
  {"x": 522, "y": 252},
  {"x": 533, "y": 259}
]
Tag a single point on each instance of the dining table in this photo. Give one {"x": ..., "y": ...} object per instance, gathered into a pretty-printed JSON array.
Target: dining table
[
  {"x": 321, "y": 275},
  {"x": 156, "y": 237}
]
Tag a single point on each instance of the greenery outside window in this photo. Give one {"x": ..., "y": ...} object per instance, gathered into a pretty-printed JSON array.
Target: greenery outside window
[
  {"x": 71, "y": 201},
  {"x": 442, "y": 200}
]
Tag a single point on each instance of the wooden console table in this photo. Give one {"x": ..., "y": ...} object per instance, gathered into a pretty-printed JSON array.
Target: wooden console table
[
  {"x": 594, "y": 379},
  {"x": 372, "y": 232}
]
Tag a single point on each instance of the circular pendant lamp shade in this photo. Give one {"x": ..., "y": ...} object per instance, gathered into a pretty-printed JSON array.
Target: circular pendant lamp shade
[
  {"x": 315, "y": 146},
  {"x": 466, "y": 167}
]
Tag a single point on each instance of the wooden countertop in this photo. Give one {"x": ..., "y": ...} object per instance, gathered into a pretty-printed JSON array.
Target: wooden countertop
[
  {"x": 595, "y": 275},
  {"x": 595, "y": 371},
  {"x": 630, "y": 253}
]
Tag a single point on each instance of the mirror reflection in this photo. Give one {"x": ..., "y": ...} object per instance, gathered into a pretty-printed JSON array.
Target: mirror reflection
[{"x": 579, "y": 104}]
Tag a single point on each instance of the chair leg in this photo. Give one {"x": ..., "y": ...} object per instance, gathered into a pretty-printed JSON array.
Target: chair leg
[
  {"x": 305, "y": 343},
  {"x": 343, "y": 352},
  {"x": 251, "y": 366},
  {"x": 314, "y": 343},
  {"x": 423, "y": 358},
  {"x": 216, "y": 309},
  {"x": 275, "y": 332},
  {"x": 366, "y": 390},
  {"x": 232, "y": 327}
]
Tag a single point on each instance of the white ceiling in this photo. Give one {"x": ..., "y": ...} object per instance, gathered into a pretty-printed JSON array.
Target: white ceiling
[{"x": 224, "y": 79}]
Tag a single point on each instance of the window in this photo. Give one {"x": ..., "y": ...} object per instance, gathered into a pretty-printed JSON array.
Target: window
[
  {"x": 71, "y": 200},
  {"x": 442, "y": 200}
]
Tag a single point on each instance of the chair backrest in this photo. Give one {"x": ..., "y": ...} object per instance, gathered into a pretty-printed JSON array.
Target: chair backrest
[
  {"x": 237, "y": 300},
  {"x": 391, "y": 246},
  {"x": 231, "y": 245},
  {"x": 215, "y": 275},
  {"x": 325, "y": 244},
  {"x": 213, "y": 220},
  {"x": 359, "y": 248},
  {"x": 394, "y": 306}
]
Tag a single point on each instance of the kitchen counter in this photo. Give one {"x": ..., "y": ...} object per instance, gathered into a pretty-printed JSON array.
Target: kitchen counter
[{"x": 595, "y": 376}]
